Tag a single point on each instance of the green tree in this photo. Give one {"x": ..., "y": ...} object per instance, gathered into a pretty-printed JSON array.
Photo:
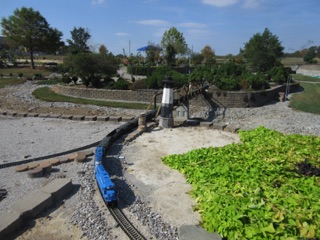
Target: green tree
[
  {"x": 196, "y": 58},
  {"x": 90, "y": 66},
  {"x": 310, "y": 55},
  {"x": 208, "y": 55},
  {"x": 79, "y": 41},
  {"x": 174, "y": 43},
  {"x": 263, "y": 51},
  {"x": 29, "y": 29},
  {"x": 103, "y": 51},
  {"x": 153, "y": 53}
]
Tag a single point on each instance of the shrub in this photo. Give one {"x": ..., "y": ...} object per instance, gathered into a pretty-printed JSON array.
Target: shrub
[
  {"x": 121, "y": 84},
  {"x": 279, "y": 74},
  {"x": 160, "y": 73},
  {"x": 255, "y": 81},
  {"x": 203, "y": 72},
  {"x": 244, "y": 83},
  {"x": 85, "y": 81},
  {"x": 140, "y": 70},
  {"x": 66, "y": 79},
  {"x": 227, "y": 83},
  {"x": 96, "y": 81},
  {"x": 74, "y": 79},
  {"x": 139, "y": 84},
  {"x": 20, "y": 75},
  {"x": 37, "y": 76}
]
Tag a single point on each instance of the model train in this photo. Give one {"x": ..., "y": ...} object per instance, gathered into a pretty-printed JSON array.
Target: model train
[{"x": 105, "y": 185}]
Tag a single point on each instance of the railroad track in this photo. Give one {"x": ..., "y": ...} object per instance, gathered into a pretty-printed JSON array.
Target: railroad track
[{"x": 125, "y": 224}]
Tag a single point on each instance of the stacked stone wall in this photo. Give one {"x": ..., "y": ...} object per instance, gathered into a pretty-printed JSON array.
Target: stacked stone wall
[
  {"x": 228, "y": 99},
  {"x": 141, "y": 96},
  {"x": 243, "y": 99}
]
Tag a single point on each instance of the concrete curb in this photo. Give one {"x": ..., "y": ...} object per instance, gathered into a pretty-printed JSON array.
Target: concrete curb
[{"x": 33, "y": 205}]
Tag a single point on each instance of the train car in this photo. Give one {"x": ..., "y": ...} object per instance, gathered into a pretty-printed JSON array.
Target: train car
[
  {"x": 99, "y": 155},
  {"x": 106, "y": 186}
]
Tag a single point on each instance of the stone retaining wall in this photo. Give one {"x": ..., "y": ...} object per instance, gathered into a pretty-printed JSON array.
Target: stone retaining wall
[
  {"x": 243, "y": 99},
  {"x": 228, "y": 99},
  {"x": 141, "y": 96}
]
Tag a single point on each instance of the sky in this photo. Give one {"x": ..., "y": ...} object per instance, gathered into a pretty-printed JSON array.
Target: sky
[{"x": 224, "y": 25}]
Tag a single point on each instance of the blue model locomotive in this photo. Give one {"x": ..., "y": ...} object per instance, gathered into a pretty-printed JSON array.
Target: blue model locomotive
[{"x": 106, "y": 186}]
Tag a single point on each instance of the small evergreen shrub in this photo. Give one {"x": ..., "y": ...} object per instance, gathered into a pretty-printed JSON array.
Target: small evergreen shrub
[
  {"x": 66, "y": 79},
  {"x": 121, "y": 84}
]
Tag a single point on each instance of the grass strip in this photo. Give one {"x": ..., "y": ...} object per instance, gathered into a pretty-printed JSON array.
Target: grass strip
[
  {"x": 304, "y": 78},
  {"x": 46, "y": 94},
  {"x": 10, "y": 81},
  {"x": 308, "y": 100}
]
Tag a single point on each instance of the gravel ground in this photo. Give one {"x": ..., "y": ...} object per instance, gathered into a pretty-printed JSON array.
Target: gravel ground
[
  {"x": 23, "y": 138},
  {"x": 277, "y": 116}
]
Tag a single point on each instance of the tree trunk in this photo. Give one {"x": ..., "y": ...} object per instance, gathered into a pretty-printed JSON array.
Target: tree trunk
[{"x": 31, "y": 57}]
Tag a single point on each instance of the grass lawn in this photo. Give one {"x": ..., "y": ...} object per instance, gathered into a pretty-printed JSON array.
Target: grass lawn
[
  {"x": 308, "y": 100},
  {"x": 10, "y": 81},
  {"x": 303, "y": 78},
  {"x": 45, "y": 94},
  {"x": 26, "y": 71}
]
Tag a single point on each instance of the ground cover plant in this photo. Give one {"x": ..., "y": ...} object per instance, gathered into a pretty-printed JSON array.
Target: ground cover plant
[{"x": 266, "y": 187}]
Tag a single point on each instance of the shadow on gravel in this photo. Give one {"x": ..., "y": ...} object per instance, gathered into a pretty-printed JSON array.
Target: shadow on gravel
[{"x": 116, "y": 167}]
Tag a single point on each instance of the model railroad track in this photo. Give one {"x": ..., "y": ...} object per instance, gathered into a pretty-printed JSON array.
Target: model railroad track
[{"x": 125, "y": 224}]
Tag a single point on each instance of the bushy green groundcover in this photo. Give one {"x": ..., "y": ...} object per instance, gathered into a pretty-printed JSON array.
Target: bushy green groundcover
[{"x": 266, "y": 187}]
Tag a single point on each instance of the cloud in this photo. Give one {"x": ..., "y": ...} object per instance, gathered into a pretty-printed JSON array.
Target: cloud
[
  {"x": 159, "y": 33},
  {"x": 220, "y": 3},
  {"x": 251, "y": 3},
  {"x": 122, "y": 34},
  {"x": 192, "y": 25},
  {"x": 153, "y": 22},
  {"x": 97, "y": 2}
]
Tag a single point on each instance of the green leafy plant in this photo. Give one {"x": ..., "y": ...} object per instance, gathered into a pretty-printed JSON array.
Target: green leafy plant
[{"x": 256, "y": 189}]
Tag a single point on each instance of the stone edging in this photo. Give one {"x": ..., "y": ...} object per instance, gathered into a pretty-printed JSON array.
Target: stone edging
[{"x": 67, "y": 117}]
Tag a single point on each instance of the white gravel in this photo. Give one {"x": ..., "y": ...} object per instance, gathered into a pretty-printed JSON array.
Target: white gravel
[{"x": 25, "y": 138}]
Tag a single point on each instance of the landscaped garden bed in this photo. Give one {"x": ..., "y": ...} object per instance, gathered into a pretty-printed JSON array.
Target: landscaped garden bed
[{"x": 266, "y": 187}]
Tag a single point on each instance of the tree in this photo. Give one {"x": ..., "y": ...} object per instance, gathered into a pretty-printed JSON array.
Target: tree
[
  {"x": 263, "y": 51},
  {"x": 310, "y": 55},
  {"x": 153, "y": 53},
  {"x": 174, "y": 43},
  {"x": 29, "y": 29},
  {"x": 80, "y": 37},
  {"x": 90, "y": 66},
  {"x": 103, "y": 50},
  {"x": 208, "y": 54},
  {"x": 196, "y": 58}
]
